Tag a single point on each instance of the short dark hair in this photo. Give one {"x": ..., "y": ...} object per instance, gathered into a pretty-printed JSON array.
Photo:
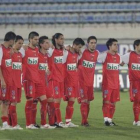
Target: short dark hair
[
  {"x": 32, "y": 35},
  {"x": 18, "y": 37},
  {"x": 56, "y": 36},
  {"x": 10, "y": 36},
  {"x": 136, "y": 43},
  {"x": 90, "y": 38},
  {"x": 79, "y": 41},
  {"x": 41, "y": 40},
  {"x": 110, "y": 42}
]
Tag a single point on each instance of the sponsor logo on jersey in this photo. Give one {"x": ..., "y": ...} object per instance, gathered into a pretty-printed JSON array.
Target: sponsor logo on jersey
[
  {"x": 112, "y": 66},
  {"x": 71, "y": 66},
  {"x": 88, "y": 64},
  {"x": 16, "y": 65},
  {"x": 32, "y": 60},
  {"x": 8, "y": 62},
  {"x": 43, "y": 66},
  {"x": 58, "y": 59},
  {"x": 135, "y": 66}
]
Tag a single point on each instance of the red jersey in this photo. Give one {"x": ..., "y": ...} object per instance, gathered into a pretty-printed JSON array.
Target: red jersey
[
  {"x": 6, "y": 64},
  {"x": 56, "y": 65},
  {"x": 16, "y": 69},
  {"x": 133, "y": 61},
  {"x": 71, "y": 69},
  {"x": 87, "y": 65},
  {"x": 43, "y": 66},
  {"x": 30, "y": 62},
  {"x": 110, "y": 70}
]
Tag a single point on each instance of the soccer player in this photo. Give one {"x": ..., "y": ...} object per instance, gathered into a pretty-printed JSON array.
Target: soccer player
[
  {"x": 45, "y": 75},
  {"x": 6, "y": 76},
  {"x": 15, "y": 96},
  {"x": 132, "y": 59},
  {"x": 110, "y": 83},
  {"x": 71, "y": 78},
  {"x": 57, "y": 70},
  {"x": 32, "y": 82},
  {"x": 87, "y": 64}
]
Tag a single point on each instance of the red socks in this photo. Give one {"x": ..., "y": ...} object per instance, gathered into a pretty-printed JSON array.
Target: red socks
[
  {"x": 69, "y": 111},
  {"x": 13, "y": 115},
  {"x": 43, "y": 111},
  {"x": 111, "y": 111},
  {"x": 57, "y": 112},
  {"x": 34, "y": 111},
  {"x": 4, "y": 119},
  {"x": 84, "y": 112},
  {"x": 106, "y": 110},
  {"x": 28, "y": 111},
  {"x": 51, "y": 113},
  {"x": 136, "y": 110}
]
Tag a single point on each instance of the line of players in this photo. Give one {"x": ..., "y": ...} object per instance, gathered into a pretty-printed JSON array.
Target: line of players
[{"x": 50, "y": 74}]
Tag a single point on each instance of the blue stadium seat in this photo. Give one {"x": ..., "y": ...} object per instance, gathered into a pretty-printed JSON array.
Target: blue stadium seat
[
  {"x": 132, "y": 6},
  {"x": 2, "y": 20},
  {"x": 74, "y": 19},
  {"x": 120, "y": 18},
  {"x": 112, "y": 18},
  {"x": 84, "y": 7},
  {"x": 128, "y": 18},
  {"x": 137, "y": 18},
  {"x": 2, "y": 9},
  {"x": 92, "y": 6}
]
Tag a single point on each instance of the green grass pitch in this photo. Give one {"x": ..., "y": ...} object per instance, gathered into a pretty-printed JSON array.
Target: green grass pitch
[{"x": 97, "y": 131}]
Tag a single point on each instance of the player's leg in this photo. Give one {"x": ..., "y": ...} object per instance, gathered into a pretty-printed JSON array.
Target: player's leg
[
  {"x": 58, "y": 94},
  {"x": 15, "y": 98},
  {"x": 106, "y": 105},
  {"x": 29, "y": 91},
  {"x": 50, "y": 101},
  {"x": 5, "y": 107}
]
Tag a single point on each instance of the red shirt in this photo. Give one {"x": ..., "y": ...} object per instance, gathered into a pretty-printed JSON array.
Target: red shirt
[
  {"x": 30, "y": 62},
  {"x": 134, "y": 66},
  {"x": 6, "y": 64},
  {"x": 71, "y": 69},
  {"x": 87, "y": 65},
  {"x": 111, "y": 71},
  {"x": 56, "y": 65},
  {"x": 43, "y": 66},
  {"x": 16, "y": 69}
]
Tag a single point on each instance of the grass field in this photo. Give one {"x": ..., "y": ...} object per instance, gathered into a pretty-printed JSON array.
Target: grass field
[{"x": 97, "y": 131}]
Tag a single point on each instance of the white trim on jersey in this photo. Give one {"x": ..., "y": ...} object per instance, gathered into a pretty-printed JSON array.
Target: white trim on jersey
[
  {"x": 1, "y": 54},
  {"x": 125, "y": 58}
]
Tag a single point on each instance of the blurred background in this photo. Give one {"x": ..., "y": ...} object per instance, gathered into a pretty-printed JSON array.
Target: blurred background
[{"x": 104, "y": 19}]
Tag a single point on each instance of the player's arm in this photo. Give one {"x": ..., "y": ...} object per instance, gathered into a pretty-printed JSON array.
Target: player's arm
[
  {"x": 3, "y": 84},
  {"x": 101, "y": 57}
]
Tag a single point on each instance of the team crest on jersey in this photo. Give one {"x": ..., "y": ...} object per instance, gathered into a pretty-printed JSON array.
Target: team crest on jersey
[
  {"x": 32, "y": 60},
  {"x": 112, "y": 66},
  {"x": 105, "y": 93},
  {"x": 16, "y": 65},
  {"x": 88, "y": 64},
  {"x": 69, "y": 90},
  {"x": 135, "y": 66},
  {"x": 58, "y": 59},
  {"x": 82, "y": 93},
  {"x": 8, "y": 62},
  {"x": 71, "y": 66},
  {"x": 56, "y": 90},
  {"x": 134, "y": 91},
  {"x": 13, "y": 94},
  {"x": 4, "y": 92},
  {"x": 30, "y": 89}
]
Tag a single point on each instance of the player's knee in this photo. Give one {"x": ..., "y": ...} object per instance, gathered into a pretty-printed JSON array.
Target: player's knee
[
  {"x": 6, "y": 103},
  {"x": 84, "y": 101},
  {"x": 43, "y": 97},
  {"x": 50, "y": 99},
  {"x": 14, "y": 104}
]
